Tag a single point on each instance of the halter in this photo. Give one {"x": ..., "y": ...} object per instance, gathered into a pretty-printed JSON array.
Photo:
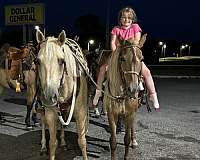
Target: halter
[{"x": 123, "y": 73}]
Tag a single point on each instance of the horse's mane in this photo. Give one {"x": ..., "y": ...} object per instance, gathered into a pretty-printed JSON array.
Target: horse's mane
[
  {"x": 50, "y": 47},
  {"x": 3, "y": 52}
]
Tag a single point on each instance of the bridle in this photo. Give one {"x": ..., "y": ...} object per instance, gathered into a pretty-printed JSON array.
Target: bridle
[
  {"x": 40, "y": 89},
  {"x": 123, "y": 73}
]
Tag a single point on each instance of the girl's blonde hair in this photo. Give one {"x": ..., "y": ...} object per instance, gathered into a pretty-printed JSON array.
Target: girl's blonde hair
[{"x": 128, "y": 10}]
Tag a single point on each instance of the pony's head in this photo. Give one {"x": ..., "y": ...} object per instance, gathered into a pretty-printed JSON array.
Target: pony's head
[
  {"x": 50, "y": 66},
  {"x": 125, "y": 69},
  {"x": 130, "y": 68}
]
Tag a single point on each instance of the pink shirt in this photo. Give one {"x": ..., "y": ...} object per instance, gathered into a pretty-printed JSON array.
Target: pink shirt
[{"x": 124, "y": 33}]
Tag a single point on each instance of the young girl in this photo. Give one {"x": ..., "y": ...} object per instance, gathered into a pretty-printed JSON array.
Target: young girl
[{"x": 127, "y": 28}]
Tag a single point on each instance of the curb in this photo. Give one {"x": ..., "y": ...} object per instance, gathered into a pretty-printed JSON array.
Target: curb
[{"x": 177, "y": 77}]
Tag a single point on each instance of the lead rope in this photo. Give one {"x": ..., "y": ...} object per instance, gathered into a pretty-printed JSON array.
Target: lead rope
[
  {"x": 72, "y": 105},
  {"x": 84, "y": 66}
]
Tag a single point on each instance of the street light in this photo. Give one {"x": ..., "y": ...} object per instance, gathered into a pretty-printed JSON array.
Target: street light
[
  {"x": 188, "y": 46},
  {"x": 181, "y": 49},
  {"x": 164, "y": 49},
  {"x": 90, "y": 42},
  {"x": 160, "y": 43}
]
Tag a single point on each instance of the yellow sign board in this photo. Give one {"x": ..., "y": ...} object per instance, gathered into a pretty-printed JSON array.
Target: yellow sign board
[{"x": 24, "y": 14}]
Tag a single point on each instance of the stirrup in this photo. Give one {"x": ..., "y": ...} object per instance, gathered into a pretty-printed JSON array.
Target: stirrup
[{"x": 18, "y": 89}]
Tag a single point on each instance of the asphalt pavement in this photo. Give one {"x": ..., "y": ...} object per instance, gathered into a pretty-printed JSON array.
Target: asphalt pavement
[{"x": 171, "y": 134}]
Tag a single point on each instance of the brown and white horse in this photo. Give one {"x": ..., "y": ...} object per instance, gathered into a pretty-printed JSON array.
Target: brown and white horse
[
  {"x": 62, "y": 81},
  {"x": 121, "y": 98},
  {"x": 17, "y": 65}
]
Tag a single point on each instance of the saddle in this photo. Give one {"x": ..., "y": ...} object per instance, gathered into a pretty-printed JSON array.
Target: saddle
[{"x": 14, "y": 62}]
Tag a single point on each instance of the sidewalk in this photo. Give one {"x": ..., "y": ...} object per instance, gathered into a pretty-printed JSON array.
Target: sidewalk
[
  {"x": 177, "y": 67},
  {"x": 175, "y": 71}
]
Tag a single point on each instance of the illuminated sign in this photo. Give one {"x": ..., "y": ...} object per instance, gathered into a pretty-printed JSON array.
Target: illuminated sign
[{"x": 24, "y": 14}]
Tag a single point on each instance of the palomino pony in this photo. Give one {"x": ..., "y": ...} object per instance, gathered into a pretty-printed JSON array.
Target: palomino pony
[
  {"x": 17, "y": 65},
  {"x": 62, "y": 81},
  {"x": 121, "y": 91}
]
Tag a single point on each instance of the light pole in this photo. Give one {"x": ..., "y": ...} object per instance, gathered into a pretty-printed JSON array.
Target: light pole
[
  {"x": 188, "y": 46},
  {"x": 90, "y": 42},
  {"x": 189, "y": 50},
  {"x": 161, "y": 46},
  {"x": 181, "y": 49},
  {"x": 164, "y": 49}
]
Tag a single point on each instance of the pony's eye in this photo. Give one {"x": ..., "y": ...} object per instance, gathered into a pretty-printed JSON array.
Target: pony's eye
[{"x": 122, "y": 59}]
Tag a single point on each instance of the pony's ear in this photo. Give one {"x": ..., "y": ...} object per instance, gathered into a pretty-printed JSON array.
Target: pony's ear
[
  {"x": 62, "y": 37},
  {"x": 39, "y": 36},
  {"x": 142, "y": 40}
]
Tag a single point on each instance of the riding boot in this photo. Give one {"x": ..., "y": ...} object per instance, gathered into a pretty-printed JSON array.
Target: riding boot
[
  {"x": 96, "y": 97},
  {"x": 154, "y": 99}
]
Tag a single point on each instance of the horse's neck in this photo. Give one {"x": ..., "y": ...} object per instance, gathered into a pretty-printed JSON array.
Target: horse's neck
[{"x": 67, "y": 87}]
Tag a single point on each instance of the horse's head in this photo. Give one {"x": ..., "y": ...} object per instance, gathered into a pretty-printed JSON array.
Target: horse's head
[
  {"x": 130, "y": 62},
  {"x": 29, "y": 53},
  {"x": 130, "y": 68},
  {"x": 50, "y": 66}
]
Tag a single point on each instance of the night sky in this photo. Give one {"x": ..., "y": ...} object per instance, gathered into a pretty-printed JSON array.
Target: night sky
[{"x": 161, "y": 19}]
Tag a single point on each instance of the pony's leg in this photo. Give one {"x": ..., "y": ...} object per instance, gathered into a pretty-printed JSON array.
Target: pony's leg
[
  {"x": 127, "y": 138},
  {"x": 133, "y": 136},
  {"x": 51, "y": 119},
  {"x": 112, "y": 119}
]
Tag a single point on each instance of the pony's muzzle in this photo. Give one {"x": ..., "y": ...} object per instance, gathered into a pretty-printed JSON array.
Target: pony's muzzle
[{"x": 132, "y": 90}]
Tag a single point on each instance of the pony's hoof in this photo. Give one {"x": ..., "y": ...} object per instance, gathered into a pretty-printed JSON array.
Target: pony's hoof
[{"x": 134, "y": 144}]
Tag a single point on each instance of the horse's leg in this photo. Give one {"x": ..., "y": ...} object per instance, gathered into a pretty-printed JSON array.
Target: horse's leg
[
  {"x": 28, "y": 114},
  {"x": 1, "y": 89},
  {"x": 81, "y": 116},
  {"x": 31, "y": 89},
  {"x": 112, "y": 119},
  {"x": 51, "y": 119},
  {"x": 127, "y": 138},
  {"x": 81, "y": 120},
  {"x": 43, "y": 140},
  {"x": 62, "y": 134}
]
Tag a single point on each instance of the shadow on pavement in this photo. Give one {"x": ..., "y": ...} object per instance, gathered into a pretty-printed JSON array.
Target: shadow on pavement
[
  {"x": 19, "y": 101},
  {"x": 27, "y": 147}
]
